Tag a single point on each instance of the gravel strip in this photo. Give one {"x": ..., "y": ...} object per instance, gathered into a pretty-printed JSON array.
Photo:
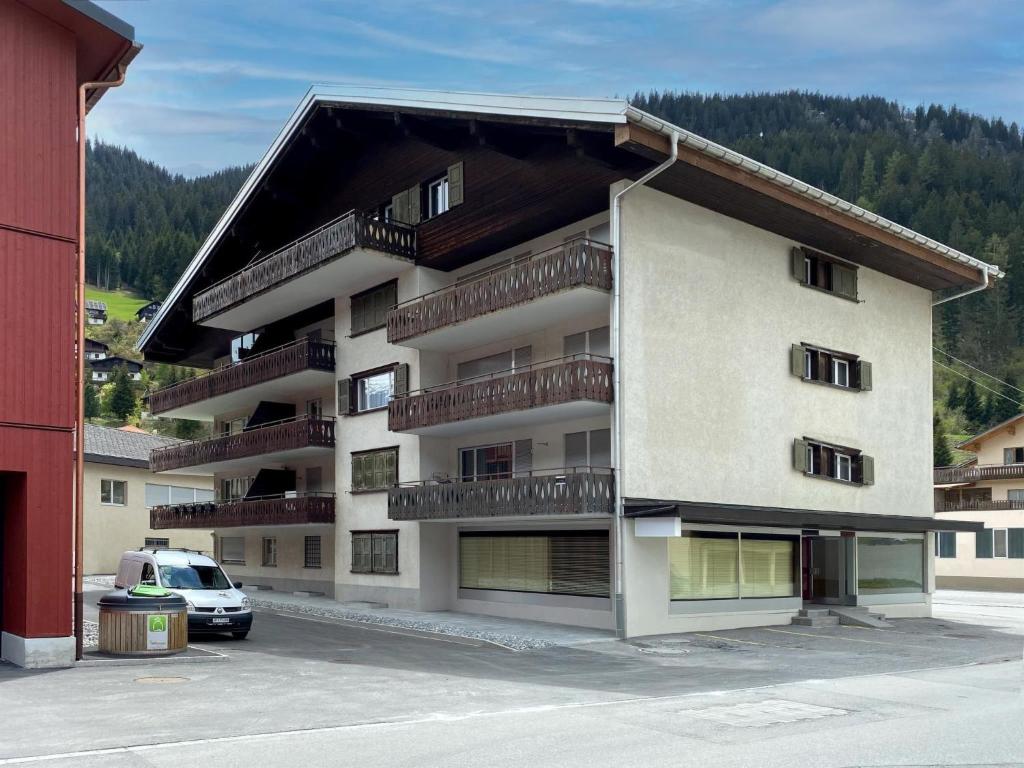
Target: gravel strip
[
  {"x": 91, "y": 635},
  {"x": 515, "y": 642},
  {"x": 100, "y": 581}
]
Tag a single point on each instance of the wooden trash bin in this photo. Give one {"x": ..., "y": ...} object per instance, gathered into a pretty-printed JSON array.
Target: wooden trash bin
[{"x": 147, "y": 621}]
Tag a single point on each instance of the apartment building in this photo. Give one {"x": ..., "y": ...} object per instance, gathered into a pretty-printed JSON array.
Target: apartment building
[
  {"x": 988, "y": 489},
  {"x": 556, "y": 359}
]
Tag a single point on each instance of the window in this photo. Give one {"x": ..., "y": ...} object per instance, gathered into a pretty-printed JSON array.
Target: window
[
  {"x": 233, "y": 426},
  {"x": 232, "y": 549},
  {"x": 889, "y": 565},
  {"x": 374, "y": 470},
  {"x": 499, "y": 363},
  {"x": 841, "y": 372},
  {"x": 830, "y": 367},
  {"x": 487, "y": 462},
  {"x": 999, "y": 542},
  {"x": 370, "y": 308},
  {"x": 768, "y": 565},
  {"x": 270, "y": 551},
  {"x": 372, "y": 390},
  {"x": 596, "y": 342},
  {"x": 1015, "y": 494},
  {"x": 157, "y": 542},
  {"x": 834, "y": 462},
  {"x": 315, "y": 408},
  {"x": 589, "y": 449},
  {"x": 232, "y": 488},
  {"x": 114, "y": 492},
  {"x": 375, "y": 552},
  {"x": 1013, "y": 455},
  {"x": 375, "y": 391},
  {"x": 558, "y": 563},
  {"x": 945, "y": 544},
  {"x": 704, "y": 566},
  {"x": 311, "y": 549},
  {"x": 158, "y": 495},
  {"x": 437, "y": 197},
  {"x": 314, "y": 479},
  {"x": 816, "y": 270},
  {"x": 242, "y": 345}
]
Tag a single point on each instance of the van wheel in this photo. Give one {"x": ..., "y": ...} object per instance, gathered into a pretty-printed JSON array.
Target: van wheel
[{"x": 239, "y": 635}]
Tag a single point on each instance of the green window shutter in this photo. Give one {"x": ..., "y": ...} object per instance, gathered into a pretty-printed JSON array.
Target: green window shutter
[
  {"x": 1015, "y": 543},
  {"x": 456, "y": 196},
  {"x": 402, "y": 379},
  {"x": 361, "y": 552},
  {"x": 799, "y": 270},
  {"x": 377, "y": 554},
  {"x": 797, "y": 354},
  {"x": 378, "y": 469},
  {"x": 867, "y": 470},
  {"x": 358, "y": 314},
  {"x": 800, "y": 455},
  {"x": 358, "y": 476},
  {"x": 864, "y": 375},
  {"x": 415, "y": 198},
  {"x": 344, "y": 396},
  {"x": 391, "y": 467},
  {"x": 983, "y": 544},
  {"x": 844, "y": 281}
]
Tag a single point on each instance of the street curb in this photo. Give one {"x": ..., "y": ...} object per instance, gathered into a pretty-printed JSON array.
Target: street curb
[{"x": 211, "y": 656}]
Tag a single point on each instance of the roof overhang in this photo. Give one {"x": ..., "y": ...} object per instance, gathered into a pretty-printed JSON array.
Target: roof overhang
[
  {"x": 783, "y": 517},
  {"x": 120, "y": 461}
]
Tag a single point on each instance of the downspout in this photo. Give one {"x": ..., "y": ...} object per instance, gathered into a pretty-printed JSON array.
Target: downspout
[
  {"x": 980, "y": 287},
  {"x": 619, "y": 604},
  {"x": 80, "y": 363}
]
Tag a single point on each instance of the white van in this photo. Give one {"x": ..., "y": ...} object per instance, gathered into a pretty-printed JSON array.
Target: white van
[{"x": 214, "y": 604}]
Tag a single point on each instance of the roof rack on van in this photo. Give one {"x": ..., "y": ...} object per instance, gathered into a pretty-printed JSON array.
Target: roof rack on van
[{"x": 171, "y": 549}]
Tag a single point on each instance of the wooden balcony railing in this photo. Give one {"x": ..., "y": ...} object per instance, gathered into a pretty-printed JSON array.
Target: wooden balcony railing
[
  {"x": 567, "y": 379},
  {"x": 299, "y": 509},
  {"x": 576, "y": 263},
  {"x": 286, "y": 435},
  {"x": 572, "y": 491},
  {"x": 301, "y": 355},
  {"x": 972, "y": 474},
  {"x": 978, "y": 505},
  {"x": 334, "y": 239}
]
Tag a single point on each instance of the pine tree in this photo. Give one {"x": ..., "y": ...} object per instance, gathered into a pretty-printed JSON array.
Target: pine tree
[
  {"x": 942, "y": 455},
  {"x": 1006, "y": 407},
  {"x": 122, "y": 400},
  {"x": 974, "y": 409},
  {"x": 954, "y": 397},
  {"x": 92, "y": 403}
]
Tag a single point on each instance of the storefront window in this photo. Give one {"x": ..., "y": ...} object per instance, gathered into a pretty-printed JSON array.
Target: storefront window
[
  {"x": 768, "y": 566},
  {"x": 889, "y": 565},
  {"x": 704, "y": 566}
]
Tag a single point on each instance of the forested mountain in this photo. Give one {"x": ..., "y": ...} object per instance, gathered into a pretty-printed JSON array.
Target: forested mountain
[{"x": 143, "y": 224}]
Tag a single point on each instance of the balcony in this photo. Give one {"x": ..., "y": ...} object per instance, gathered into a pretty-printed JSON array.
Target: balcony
[
  {"x": 976, "y": 473},
  {"x": 572, "y": 492},
  {"x": 277, "y": 442},
  {"x": 512, "y": 299},
  {"x": 571, "y": 387},
  {"x": 978, "y": 505},
  {"x": 300, "y": 509},
  {"x": 344, "y": 256},
  {"x": 276, "y": 374}
]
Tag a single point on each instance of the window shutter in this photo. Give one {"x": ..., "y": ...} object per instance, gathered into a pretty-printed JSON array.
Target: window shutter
[
  {"x": 983, "y": 544},
  {"x": 867, "y": 470},
  {"x": 415, "y": 196},
  {"x": 522, "y": 357},
  {"x": 1015, "y": 543},
  {"x": 358, "y": 476},
  {"x": 864, "y": 375},
  {"x": 824, "y": 367},
  {"x": 523, "y": 457},
  {"x": 800, "y": 455},
  {"x": 390, "y": 564},
  {"x": 344, "y": 396},
  {"x": 391, "y": 467},
  {"x": 360, "y": 552},
  {"x": 797, "y": 354},
  {"x": 844, "y": 281},
  {"x": 377, "y": 462},
  {"x": 456, "y": 196},
  {"x": 799, "y": 270},
  {"x": 402, "y": 379},
  {"x": 400, "y": 207},
  {"x": 377, "y": 546}
]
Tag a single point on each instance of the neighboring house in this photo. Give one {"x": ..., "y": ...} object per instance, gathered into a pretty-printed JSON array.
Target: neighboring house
[
  {"x": 49, "y": 49},
  {"x": 95, "y": 312},
  {"x": 989, "y": 489},
  {"x": 147, "y": 312},
  {"x": 120, "y": 489},
  {"x": 95, "y": 350},
  {"x": 490, "y": 388},
  {"x": 103, "y": 368}
]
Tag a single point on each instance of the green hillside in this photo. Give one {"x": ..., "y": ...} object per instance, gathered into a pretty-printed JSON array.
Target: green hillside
[{"x": 121, "y": 305}]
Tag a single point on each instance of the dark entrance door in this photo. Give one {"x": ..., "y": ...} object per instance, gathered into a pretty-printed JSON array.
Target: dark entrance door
[{"x": 827, "y": 569}]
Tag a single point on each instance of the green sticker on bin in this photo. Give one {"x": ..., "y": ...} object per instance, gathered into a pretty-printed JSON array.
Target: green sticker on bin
[
  {"x": 146, "y": 590},
  {"x": 157, "y": 623}
]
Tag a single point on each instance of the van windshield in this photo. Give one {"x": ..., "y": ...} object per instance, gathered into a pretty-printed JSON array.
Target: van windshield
[{"x": 193, "y": 577}]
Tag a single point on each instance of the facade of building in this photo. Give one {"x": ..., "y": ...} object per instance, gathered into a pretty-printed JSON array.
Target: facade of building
[
  {"x": 102, "y": 369},
  {"x": 95, "y": 312},
  {"x": 527, "y": 386},
  {"x": 988, "y": 489},
  {"x": 96, "y": 350},
  {"x": 147, "y": 312},
  {"x": 120, "y": 490},
  {"x": 48, "y": 49}
]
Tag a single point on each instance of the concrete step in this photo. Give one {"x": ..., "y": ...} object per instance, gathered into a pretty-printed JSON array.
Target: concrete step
[
  {"x": 858, "y": 616},
  {"x": 810, "y": 612},
  {"x": 816, "y": 621},
  {"x": 306, "y": 593}
]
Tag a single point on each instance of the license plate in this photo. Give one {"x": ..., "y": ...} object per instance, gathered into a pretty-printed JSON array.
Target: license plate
[{"x": 224, "y": 620}]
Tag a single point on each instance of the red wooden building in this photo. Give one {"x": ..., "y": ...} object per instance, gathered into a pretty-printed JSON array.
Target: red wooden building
[{"x": 49, "y": 50}]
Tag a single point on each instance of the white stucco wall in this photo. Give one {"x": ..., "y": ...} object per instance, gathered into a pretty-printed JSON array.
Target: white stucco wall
[{"x": 290, "y": 573}]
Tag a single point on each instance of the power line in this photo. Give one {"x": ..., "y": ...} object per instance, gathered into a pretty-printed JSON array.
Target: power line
[
  {"x": 994, "y": 392},
  {"x": 963, "y": 362}
]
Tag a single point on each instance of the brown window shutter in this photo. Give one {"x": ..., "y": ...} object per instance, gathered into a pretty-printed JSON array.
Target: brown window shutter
[
  {"x": 797, "y": 354},
  {"x": 824, "y": 367},
  {"x": 800, "y": 455},
  {"x": 415, "y": 198},
  {"x": 867, "y": 470},
  {"x": 400, "y": 207},
  {"x": 864, "y": 375},
  {"x": 344, "y": 396},
  {"x": 456, "y": 195},
  {"x": 402, "y": 379},
  {"x": 799, "y": 270}
]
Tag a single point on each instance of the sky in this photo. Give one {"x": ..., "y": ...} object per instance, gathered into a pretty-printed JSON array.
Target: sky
[{"x": 217, "y": 79}]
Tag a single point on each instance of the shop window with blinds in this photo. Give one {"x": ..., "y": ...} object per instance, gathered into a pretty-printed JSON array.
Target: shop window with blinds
[
  {"x": 375, "y": 552},
  {"x": 374, "y": 470},
  {"x": 889, "y": 565},
  {"x": 573, "y": 563},
  {"x": 711, "y": 565},
  {"x": 816, "y": 270},
  {"x": 370, "y": 308}
]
